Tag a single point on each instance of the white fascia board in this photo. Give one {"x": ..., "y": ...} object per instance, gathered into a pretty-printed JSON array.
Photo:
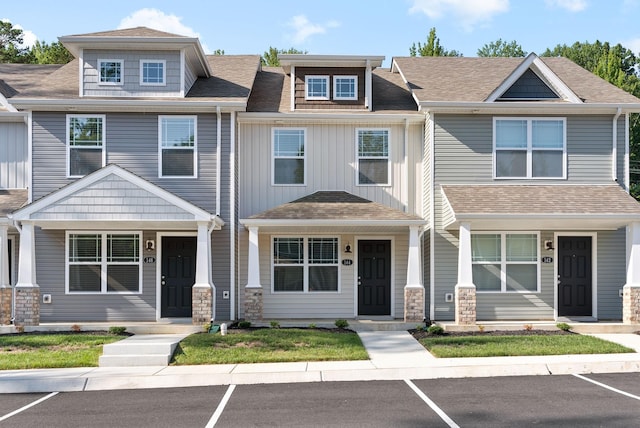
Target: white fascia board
[
  {"x": 246, "y": 117},
  {"x": 13, "y": 116},
  {"x": 306, "y": 60},
  {"x": 395, "y": 68},
  {"x": 132, "y": 105},
  {"x": 198, "y": 213},
  {"x": 6, "y": 104},
  {"x": 330, "y": 223},
  {"x": 526, "y": 107}
]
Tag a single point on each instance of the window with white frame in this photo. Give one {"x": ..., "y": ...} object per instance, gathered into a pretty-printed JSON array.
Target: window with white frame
[
  {"x": 373, "y": 156},
  {"x": 103, "y": 262},
  {"x": 505, "y": 262},
  {"x": 85, "y": 144},
  {"x": 110, "y": 71},
  {"x": 316, "y": 87},
  {"x": 178, "y": 146},
  {"x": 345, "y": 87},
  {"x": 289, "y": 156},
  {"x": 305, "y": 264},
  {"x": 153, "y": 72},
  {"x": 529, "y": 147}
]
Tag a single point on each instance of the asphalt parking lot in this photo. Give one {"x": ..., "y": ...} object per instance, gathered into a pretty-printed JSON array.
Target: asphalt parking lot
[{"x": 610, "y": 400}]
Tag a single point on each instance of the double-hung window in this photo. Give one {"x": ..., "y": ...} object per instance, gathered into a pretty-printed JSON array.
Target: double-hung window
[
  {"x": 529, "y": 148},
  {"x": 316, "y": 87},
  {"x": 305, "y": 264},
  {"x": 103, "y": 262},
  {"x": 289, "y": 156},
  {"x": 110, "y": 71},
  {"x": 153, "y": 72},
  {"x": 505, "y": 262},
  {"x": 373, "y": 156},
  {"x": 85, "y": 144},
  {"x": 345, "y": 87},
  {"x": 177, "y": 146}
]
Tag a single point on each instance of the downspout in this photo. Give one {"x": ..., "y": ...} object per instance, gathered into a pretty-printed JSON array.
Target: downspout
[
  {"x": 432, "y": 216},
  {"x": 405, "y": 190},
  {"x": 212, "y": 227},
  {"x": 614, "y": 146},
  {"x": 627, "y": 171},
  {"x": 30, "y": 156},
  {"x": 232, "y": 215},
  {"x": 13, "y": 294}
]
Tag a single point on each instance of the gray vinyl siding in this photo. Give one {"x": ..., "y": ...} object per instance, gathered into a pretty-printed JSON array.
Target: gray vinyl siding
[
  {"x": 130, "y": 85},
  {"x": 50, "y": 256},
  {"x": 189, "y": 78},
  {"x": 132, "y": 143},
  {"x": 611, "y": 273},
  {"x": 13, "y": 155},
  {"x": 330, "y": 165}
]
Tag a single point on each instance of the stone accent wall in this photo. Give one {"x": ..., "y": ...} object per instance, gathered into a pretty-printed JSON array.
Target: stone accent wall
[
  {"x": 465, "y": 305},
  {"x": 201, "y": 305},
  {"x": 413, "y": 304},
  {"x": 631, "y": 305},
  {"x": 27, "y": 306},
  {"x": 253, "y": 304},
  {"x": 5, "y": 305}
]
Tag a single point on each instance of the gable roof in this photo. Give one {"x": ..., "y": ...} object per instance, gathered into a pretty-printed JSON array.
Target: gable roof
[
  {"x": 478, "y": 81},
  {"x": 11, "y": 200},
  {"x": 128, "y": 32}
]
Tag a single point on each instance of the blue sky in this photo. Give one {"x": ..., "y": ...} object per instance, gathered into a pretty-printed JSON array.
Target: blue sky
[{"x": 363, "y": 27}]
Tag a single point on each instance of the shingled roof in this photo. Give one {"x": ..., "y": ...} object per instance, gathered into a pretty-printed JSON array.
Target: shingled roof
[
  {"x": 11, "y": 200},
  {"x": 129, "y": 32}
]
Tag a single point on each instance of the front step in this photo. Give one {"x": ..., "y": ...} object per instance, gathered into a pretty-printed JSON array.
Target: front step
[{"x": 140, "y": 350}]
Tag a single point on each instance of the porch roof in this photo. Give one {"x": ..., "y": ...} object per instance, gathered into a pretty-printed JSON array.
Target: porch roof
[
  {"x": 11, "y": 200},
  {"x": 527, "y": 207},
  {"x": 334, "y": 209}
]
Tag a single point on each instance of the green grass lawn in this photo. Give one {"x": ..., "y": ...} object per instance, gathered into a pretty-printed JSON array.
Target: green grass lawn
[
  {"x": 496, "y": 346},
  {"x": 268, "y": 345},
  {"x": 35, "y": 351}
]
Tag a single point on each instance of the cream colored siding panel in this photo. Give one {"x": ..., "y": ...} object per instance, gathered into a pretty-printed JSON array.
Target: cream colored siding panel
[{"x": 13, "y": 155}]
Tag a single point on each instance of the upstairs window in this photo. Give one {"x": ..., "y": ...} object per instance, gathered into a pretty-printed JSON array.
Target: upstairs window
[
  {"x": 289, "y": 156},
  {"x": 85, "y": 144},
  {"x": 373, "y": 156},
  {"x": 345, "y": 87},
  {"x": 305, "y": 264},
  {"x": 529, "y": 148},
  {"x": 153, "y": 72},
  {"x": 177, "y": 135},
  {"x": 110, "y": 71},
  {"x": 316, "y": 87}
]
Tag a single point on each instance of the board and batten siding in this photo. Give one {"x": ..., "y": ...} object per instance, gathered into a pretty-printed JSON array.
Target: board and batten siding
[
  {"x": 50, "y": 266},
  {"x": 13, "y": 155},
  {"x": 330, "y": 165},
  {"x": 132, "y": 143},
  {"x": 130, "y": 85}
]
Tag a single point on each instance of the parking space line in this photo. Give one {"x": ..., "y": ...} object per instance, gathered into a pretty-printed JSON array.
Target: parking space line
[
  {"x": 431, "y": 404},
  {"x": 22, "y": 409},
  {"x": 610, "y": 388},
  {"x": 223, "y": 403}
]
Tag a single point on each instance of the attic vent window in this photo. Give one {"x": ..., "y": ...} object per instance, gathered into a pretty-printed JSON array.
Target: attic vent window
[
  {"x": 110, "y": 71},
  {"x": 529, "y": 87}
]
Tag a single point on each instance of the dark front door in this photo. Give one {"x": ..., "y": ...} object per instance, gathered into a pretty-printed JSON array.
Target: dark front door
[
  {"x": 574, "y": 276},
  {"x": 178, "y": 275},
  {"x": 374, "y": 277}
]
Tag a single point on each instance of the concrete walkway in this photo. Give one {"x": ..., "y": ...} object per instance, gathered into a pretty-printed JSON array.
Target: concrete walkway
[{"x": 393, "y": 356}]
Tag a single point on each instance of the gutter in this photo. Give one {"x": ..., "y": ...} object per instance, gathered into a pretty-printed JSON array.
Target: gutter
[
  {"x": 128, "y": 105},
  {"x": 614, "y": 146}
]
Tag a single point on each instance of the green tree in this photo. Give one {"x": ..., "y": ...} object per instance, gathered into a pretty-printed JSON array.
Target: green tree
[
  {"x": 54, "y": 53},
  {"x": 218, "y": 52},
  {"x": 270, "y": 57},
  {"x": 10, "y": 42},
  {"x": 502, "y": 48},
  {"x": 431, "y": 47}
]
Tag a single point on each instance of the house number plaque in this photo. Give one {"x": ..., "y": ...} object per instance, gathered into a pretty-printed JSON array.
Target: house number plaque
[
  {"x": 347, "y": 262},
  {"x": 149, "y": 259},
  {"x": 547, "y": 260}
]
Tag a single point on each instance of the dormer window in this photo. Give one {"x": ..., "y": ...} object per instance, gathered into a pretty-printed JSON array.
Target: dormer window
[
  {"x": 317, "y": 87},
  {"x": 110, "y": 71},
  {"x": 153, "y": 72},
  {"x": 345, "y": 87}
]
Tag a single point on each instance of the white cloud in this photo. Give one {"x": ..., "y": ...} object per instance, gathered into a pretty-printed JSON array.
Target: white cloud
[
  {"x": 28, "y": 37},
  {"x": 468, "y": 14},
  {"x": 570, "y": 5},
  {"x": 158, "y": 20},
  {"x": 632, "y": 44},
  {"x": 303, "y": 28}
]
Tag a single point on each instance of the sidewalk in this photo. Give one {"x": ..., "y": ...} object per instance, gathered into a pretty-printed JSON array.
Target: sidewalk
[{"x": 394, "y": 355}]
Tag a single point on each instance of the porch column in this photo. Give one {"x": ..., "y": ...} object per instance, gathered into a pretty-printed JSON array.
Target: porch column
[
  {"x": 414, "y": 290},
  {"x": 631, "y": 290},
  {"x": 253, "y": 289},
  {"x": 5, "y": 285},
  {"x": 27, "y": 290},
  {"x": 465, "y": 296},
  {"x": 202, "y": 291}
]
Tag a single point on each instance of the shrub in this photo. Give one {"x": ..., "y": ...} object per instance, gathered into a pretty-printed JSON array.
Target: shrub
[
  {"x": 244, "y": 324},
  {"x": 275, "y": 324},
  {"x": 563, "y": 326},
  {"x": 312, "y": 325},
  {"x": 528, "y": 327},
  {"x": 342, "y": 323},
  {"x": 435, "y": 330},
  {"x": 76, "y": 328},
  {"x": 118, "y": 331},
  {"x": 480, "y": 328}
]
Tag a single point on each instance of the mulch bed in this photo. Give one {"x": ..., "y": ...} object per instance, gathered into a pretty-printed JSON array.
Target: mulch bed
[{"x": 419, "y": 334}]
